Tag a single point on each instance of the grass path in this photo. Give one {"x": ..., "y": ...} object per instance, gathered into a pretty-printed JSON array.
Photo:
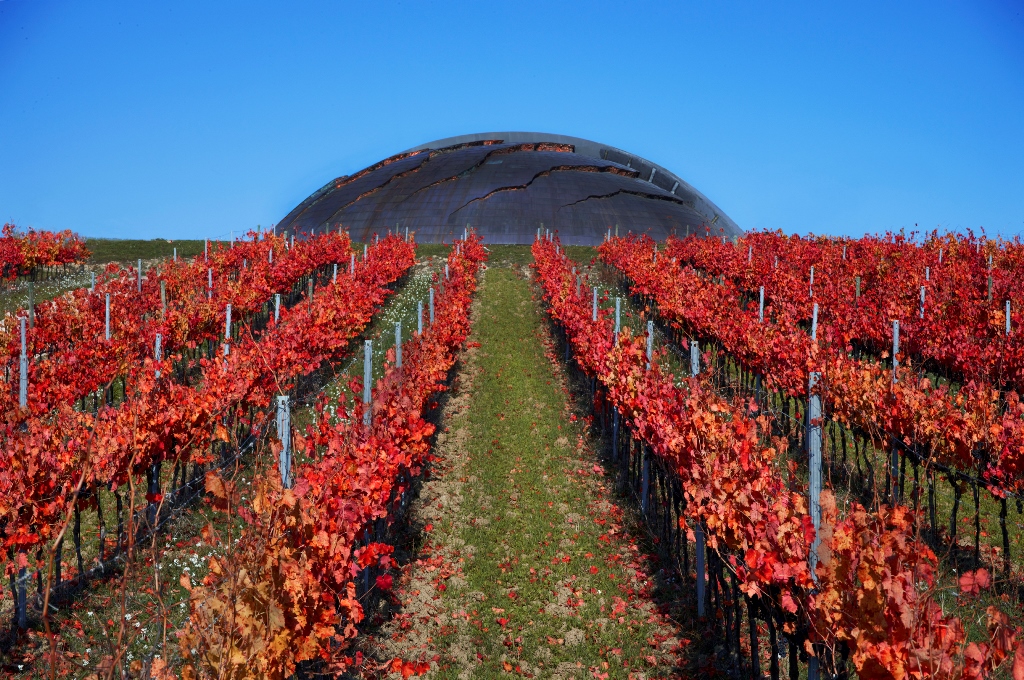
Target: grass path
[{"x": 525, "y": 568}]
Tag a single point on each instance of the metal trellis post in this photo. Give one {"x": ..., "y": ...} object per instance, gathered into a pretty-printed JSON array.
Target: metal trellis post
[
  {"x": 894, "y": 464},
  {"x": 814, "y": 488},
  {"x": 698, "y": 530},
  {"x": 285, "y": 435},
  {"x": 814, "y": 466},
  {"x": 618, "y": 303},
  {"x": 650, "y": 343},
  {"x": 23, "y": 368},
  {"x": 227, "y": 331},
  {"x": 398, "y": 344},
  {"x": 367, "y": 380},
  {"x": 158, "y": 351}
]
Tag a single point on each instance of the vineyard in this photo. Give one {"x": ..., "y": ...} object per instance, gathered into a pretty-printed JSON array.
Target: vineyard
[
  {"x": 895, "y": 356},
  {"x": 25, "y": 254},
  {"x": 303, "y": 457}
]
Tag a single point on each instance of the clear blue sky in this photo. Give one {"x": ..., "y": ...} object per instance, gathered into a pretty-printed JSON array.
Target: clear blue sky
[{"x": 189, "y": 119}]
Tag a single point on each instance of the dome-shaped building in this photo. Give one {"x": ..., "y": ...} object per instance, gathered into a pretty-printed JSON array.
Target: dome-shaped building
[{"x": 506, "y": 185}]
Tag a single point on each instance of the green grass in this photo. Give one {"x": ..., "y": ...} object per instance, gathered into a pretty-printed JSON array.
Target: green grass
[
  {"x": 425, "y": 250},
  {"x": 105, "y": 250},
  {"x": 14, "y": 295},
  {"x": 537, "y": 564}
]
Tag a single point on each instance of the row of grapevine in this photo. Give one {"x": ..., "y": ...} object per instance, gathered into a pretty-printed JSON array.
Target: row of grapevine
[
  {"x": 84, "y": 339},
  {"x": 59, "y": 458},
  {"x": 21, "y": 254},
  {"x": 973, "y": 429},
  {"x": 293, "y": 586},
  {"x": 851, "y": 585},
  {"x": 949, "y": 294}
]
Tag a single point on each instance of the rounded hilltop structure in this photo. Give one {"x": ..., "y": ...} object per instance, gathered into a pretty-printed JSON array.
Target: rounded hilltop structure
[{"x": 506, "y": 185}]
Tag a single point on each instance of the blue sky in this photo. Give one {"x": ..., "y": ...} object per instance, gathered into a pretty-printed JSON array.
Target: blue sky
[{"x": 188, "y": 119}]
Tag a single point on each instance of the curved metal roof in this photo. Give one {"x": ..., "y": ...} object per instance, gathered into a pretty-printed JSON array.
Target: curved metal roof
[{"x": 506, "y": 185}]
